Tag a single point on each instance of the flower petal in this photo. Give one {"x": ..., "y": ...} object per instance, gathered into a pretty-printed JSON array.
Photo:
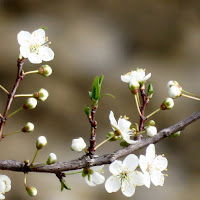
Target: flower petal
[
  {"x": 24, "y": 38},
  {"x": 113, "y": 121},
  {"x": 89, "y": 182},
  {"x": 46, "y": 53},
  {"x": 157, "y": 178},
  {"x": 130, "y": 162},
  {"x": 97, "y": 168},
  {"x": 2, "y": 186},
  {"x": 112, "y": 184},
  {"x": 147, "y": 180},
  {"x": 7, "y": 182},
  {"x": 97, "y": 178},
  {"x": 137, "y": 178},
  {"x": 150, "y": 153},
  {"x": 124, "y": 125},
  {"x": 160, "y": 163},
  {"x": 38, "y": 36},
  {"x": 128, "y": 189},
  {"x": 116, "y": 167},
  {"x": 147, "y": 77},
  {"x": 143, "y": 163},
  {"x": 2, "y": 196},
  {"x": 34, "y": 58},
  {"x": 126, "y": 78},
  {"x": 128, "y": 140},
  {"x": 25, "y": 51}
]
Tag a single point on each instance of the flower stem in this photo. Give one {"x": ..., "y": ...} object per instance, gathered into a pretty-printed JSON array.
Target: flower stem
[
  {"x": 198, "y": 99},
  {"x": 25, "y": 179},
  {"x": 16, "y": 111},
  {"x": 138, "y": 133},
  {"x": 31, "y": 165},
  {"x": 23, "y": 95},
  {"x": 103, "y": 142},
  {"x": 12, "y": 133},
  {"x": 74, "y": 173},
  {"x": 138, "y": 98},
  {"x": 38, "y": 165},
  {"x": 31, "y": 72},
  {"x": 153, "y": 113},
  {"x": 137, "y": 104},
  {"x": 190, "y": 94},
  {"x": 4, "y": 89}
]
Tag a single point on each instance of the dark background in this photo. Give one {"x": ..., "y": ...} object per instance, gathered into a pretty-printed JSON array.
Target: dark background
[{"x": 107, "y": 37}]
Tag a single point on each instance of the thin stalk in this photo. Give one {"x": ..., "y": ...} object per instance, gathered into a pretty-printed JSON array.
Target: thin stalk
[
  {"x": 137, "y": 105},
  {"x": 4, "y": 89},
  {"x": 74, "y": 173},
  {"x": 23, "y": 95},
  {"x": 191, "y": 97},
  {"x": 153, "y": 113},
  {"x": 31, "y": 72},
  {"x": 103, "y": 142},
  {"x": 34, "y": 158},
  {"x": 138, "y": 98},
  {"x": 190, "y": 94},
  {"x": 25, "y": 179},
  {"x": 16, "y": 111},
  {"x": 38, "y": 165},
  {"x": 12, "y": 133},
  {"x": 138, "y": 133}
]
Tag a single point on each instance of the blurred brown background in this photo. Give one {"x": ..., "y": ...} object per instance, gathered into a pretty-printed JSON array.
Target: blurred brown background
[{"x": 109, "y": 37}]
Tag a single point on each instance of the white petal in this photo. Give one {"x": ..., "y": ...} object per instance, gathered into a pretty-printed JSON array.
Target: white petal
[
  {"x": 137, "y": 178},
  {"x": 25, "y": 51},
  {"x": 126, "y": 78},
  {"x": 113, "y": 121},
  {"x": 89, "y": 182},
  {"x": 34, "y": 58},
  {"x": 143, "y": 163},
  {"x": 157, "y": 178},
  {"x": 160, "y": 163},
  {"x": 97, "y": 178},
  {"x": 6, "y": 179},
  {"x": 150, "y": 153},
  {"x": 24, "y": 38},
  {"x": 147, "y": 77},
  {"x": 2, "y": 186},
  {"x": 46, "y": 53},
  {"x": 128, "y": 189},
  {"x": 147, "y": 179},
  {"x": 124, "y": 125},
  {"x": 130, "y": 162},
  {"x": 112, "y": 184},
  {"x": 38, "y": 36},
  {"x": 2, "y": 196},
  {"x": 8, "y": 188},
  {"x": 97, "y": 168},
  {"x": 116, "y": 167},
  {"x": 128, "y": 140}
]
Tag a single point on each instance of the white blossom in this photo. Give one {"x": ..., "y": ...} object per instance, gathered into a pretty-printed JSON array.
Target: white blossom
[
  {"x": 78, "y": 144},
  {"x": 124, "y": 176},
  {"x": 92, "y": 175},
  {"x": 35, "y": 46},
  {"x": 151, "y": 131},
  {"x": 152, "y": 167},
  {"x": 5, "y": 185},
  {"x": 122, "y": 127}
]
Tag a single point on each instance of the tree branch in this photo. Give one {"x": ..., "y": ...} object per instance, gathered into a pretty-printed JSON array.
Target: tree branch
[{"x": 85, "y": 161}]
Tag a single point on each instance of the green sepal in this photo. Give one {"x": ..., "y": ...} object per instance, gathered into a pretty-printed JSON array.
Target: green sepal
[
  {"x": 124, "y": 144},
  {"x": 64, "y": 185},
  {"x": 44, "y": 28}
]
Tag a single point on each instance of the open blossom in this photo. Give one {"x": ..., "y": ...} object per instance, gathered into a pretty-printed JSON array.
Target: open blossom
[
  {"x": 5, "y": 185},
  {"x": 124, "y": 176},
  {"x": 35, "y": 46},
  {"x": 137, "y": 75},
  {"x": 92, "y": 175},
  {"x": 122, "y": 127},
  {"x": 152, "y": 167}
]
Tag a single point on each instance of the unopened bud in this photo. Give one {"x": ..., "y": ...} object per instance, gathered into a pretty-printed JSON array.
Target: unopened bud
[
  {"x": 174, "y": 92},
  {"x": 51, "y": 159},
  {"x": 134, "y": 86},
  {"x": 41, "y": 94},
  {"x": 174, "y": 83},
  {"x": 150, "y": 91},
  {"x": 111, "y": 134},
  {"x": 87, "y": 111},
  {"x": 151, "y": 123},
  {"x": 29, "y": 127},
  {"x": 168, "y": 103},
  {"x": 45, "y": 70},
  {"x": 32, "y": 191},
  {"x": 41, "y": 142},
  {"x": 30, "y": 103},
  {"x": 151, "y": 131},
  {"x": 78, "y": 144}
]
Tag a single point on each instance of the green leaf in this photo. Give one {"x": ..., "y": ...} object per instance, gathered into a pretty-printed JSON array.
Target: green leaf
[
  {"x": 64, "y": 185},
  {"x": 44, "y": 28},
  {"x": 95, "y": 88},
  {"x": 87, "y": 110},
  {"x": 107, "y": 95},
  {"x": 90, "y": 95}
]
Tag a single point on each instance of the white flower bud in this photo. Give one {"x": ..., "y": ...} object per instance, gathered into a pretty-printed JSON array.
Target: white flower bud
[
  {"x": 29, "y": 127},
  {"x": 151, "y": 131},
  {"x": 45, "y": 70},
  {"x": 51, "y": 159},
  {"x": 41, "y": 142},
  {"x": 32, "y": 191},
  {"x": 173, "y": 83},
  {"x": 174, "y": 92},
  {"x": 78, "y": 144},
  {"x": 30, "y": 103},
  {"x": 41, "y": 94},
  {"x": 134, "y": 86},
  {"x": 168, "y": 103}
]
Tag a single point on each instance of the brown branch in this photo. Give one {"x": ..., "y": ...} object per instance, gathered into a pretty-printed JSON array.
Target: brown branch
[{"x": 85, "y": 161}]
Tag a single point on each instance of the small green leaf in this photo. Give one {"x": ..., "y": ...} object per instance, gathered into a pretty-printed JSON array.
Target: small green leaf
[
  {"x": 107, "y": 95},
  {"x": 87, "y": 110},
  {"x": 64, "y": 185},
  {"x": 90, "y": 95},
  {"x": 44, "y": 28}
]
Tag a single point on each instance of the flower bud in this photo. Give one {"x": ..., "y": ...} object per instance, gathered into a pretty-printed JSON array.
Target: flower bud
[
  {"x": 150, "y": 91},
  {"x": 168, "y": 103},
  {"x": 87, "y": 111},
  {"x": 114, "y": 138},
  {"x": 174, "y": 92},
  {"x": 173, "y": 83},
  {"x": 45, "y": 70},
  {"x": 78, "y": 144},
  {"x": 51, "y": 159},
  {"x": 41, "y": 94},
  {"x": 30, "y": 103},
  {"x": 29, "y": 127},
  {"x": 151, "y": 123},
  {"x": 151, "y": 131},
  {"x": 32, "y": 191},
  {"x": 134, "y": 86},
  {"x": 41, "y": 142}
]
